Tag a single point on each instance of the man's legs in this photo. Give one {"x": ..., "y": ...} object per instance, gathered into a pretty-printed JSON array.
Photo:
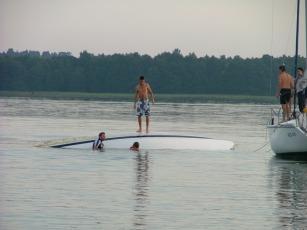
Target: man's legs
[
  {"x": 140, "y": 124},
  {"x": 285, "y": 101},
  {"x": 301, "y": 100},
  {"x": 284, "y": 112},
  {"x": 147, "y": 124},
  {"x": 288, "y": 111}
]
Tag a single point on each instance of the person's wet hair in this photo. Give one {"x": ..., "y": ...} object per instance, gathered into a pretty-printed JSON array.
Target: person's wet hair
[
  {"x": 282, "y": 68},
  {"x": 136, "y": 145},
  {"x": 142, "y": 77},
  {"x": 301, "y": 69},
  {"x": 101, "y": 134}
]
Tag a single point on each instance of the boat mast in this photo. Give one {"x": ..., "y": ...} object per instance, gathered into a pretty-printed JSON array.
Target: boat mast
[
  {"x": 306, "y": 30},
  {"x": 296, "y": 53}
]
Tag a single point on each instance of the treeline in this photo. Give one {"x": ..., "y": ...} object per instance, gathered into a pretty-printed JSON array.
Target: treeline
[{"x": 118, "y": 73}]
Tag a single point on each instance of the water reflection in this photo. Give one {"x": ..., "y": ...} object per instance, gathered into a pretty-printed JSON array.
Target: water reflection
[
  {"x": 289, "y": 181},
  {"x": 142, "y": 162}
]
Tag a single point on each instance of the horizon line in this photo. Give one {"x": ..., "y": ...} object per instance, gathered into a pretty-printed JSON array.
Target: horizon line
[{"x": 174, "y": 51}]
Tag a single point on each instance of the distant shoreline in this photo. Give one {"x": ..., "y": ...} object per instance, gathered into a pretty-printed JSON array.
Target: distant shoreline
[{"x": 183, "y": 98}]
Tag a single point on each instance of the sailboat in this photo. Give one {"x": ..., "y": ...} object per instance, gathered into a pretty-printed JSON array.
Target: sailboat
[
  {"x": 289, "y": 139},
  {"x": 156, "y": 142}
]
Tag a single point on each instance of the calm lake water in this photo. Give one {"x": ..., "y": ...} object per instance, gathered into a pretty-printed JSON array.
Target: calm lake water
[{"x": 45, "y": 188}]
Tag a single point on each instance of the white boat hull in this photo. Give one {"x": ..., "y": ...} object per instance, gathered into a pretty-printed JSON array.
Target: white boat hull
[
  {"x": 288, "y": 138},
  {"x": 157, "y": 142}
]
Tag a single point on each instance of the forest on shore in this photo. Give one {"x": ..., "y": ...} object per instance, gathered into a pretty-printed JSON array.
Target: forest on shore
[{"x": 168, "y": 72}]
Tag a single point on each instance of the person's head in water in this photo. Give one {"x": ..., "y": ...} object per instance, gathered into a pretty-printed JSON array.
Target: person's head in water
[
  {"x": 135, "y": 146},
  {"x": 282, "y": 68},
  {"x": 102, "y": 136},
  {"x": 300, "y": 71},
  {"x": 142, "y": 80}
]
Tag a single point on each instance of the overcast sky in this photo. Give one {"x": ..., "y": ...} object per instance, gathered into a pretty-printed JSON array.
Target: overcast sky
[{"x": 247, "y": 28}]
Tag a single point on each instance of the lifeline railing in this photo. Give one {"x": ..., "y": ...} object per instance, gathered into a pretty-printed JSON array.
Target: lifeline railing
[
  {"x": 276, "y": 117},
  {"x": 301, "y": 118}
]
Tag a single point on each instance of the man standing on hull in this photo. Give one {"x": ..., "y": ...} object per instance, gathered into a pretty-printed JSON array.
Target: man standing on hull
[
  {"x": 285, "y": 87},
  {"x": 301, "y": 86},
  {"x": 141, "y": 102}
]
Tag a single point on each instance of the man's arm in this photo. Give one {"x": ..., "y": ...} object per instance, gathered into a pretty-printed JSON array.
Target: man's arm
[
  {"x": 94, "y": 147},
  {"x": 278, "y": 87},
  {"x": 135, "y": 97},
  {"x": 151, "y": 93}
]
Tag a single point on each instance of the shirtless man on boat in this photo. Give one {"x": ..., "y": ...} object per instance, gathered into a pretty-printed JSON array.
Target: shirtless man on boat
[
  {"x": 285, "y": 87},
  {"x": 141, "y": 102}
]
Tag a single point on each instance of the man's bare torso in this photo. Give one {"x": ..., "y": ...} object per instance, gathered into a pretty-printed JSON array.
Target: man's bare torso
[
  {"x": 142, "y": 91},
  {"x": 285, "y": 81}
]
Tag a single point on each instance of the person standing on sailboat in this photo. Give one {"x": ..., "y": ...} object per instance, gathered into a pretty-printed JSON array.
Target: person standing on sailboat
[
  {"x": 141, "y": 102},
  {"x": 285, "y": 86},
  {"x": 301, "y": 87}
]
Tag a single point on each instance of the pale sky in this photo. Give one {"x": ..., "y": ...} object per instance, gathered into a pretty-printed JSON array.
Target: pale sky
[{"x": 249, "y": 28}]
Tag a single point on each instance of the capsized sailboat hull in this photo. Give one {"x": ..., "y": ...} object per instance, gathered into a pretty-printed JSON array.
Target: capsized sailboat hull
[{"x": 157, "y": 141}]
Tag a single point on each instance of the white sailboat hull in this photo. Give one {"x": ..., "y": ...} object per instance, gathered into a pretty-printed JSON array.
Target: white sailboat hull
[
  {"x": 290, "y": 138},
  {"x": 287, "y": 138},
  {"x": 175, "y": 142}
]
